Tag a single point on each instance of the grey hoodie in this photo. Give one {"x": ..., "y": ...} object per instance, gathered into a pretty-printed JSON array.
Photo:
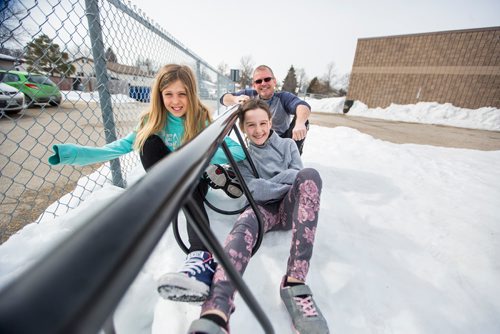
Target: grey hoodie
[{"x": 277, "y": 161}]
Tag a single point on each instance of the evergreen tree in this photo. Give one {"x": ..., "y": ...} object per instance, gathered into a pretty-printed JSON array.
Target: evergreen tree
[
  {"x": 317, "y": 86},
  {"x": 313, "y": 86},
  {"x": 290, "y": 82},
  {"x": 111, "y": 56},
  {"x": 45, "y": 56}
]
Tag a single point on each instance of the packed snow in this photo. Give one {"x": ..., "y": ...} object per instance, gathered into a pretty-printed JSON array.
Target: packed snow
[
  {"x": 407, "y": 242},
  {"x": 486, "y": 118}
]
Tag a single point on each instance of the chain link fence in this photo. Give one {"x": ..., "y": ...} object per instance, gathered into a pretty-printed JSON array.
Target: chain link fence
[{"x": 101, "y": 55}]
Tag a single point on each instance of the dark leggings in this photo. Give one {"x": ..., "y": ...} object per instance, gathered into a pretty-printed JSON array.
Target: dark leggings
[
  {"x": 289, "y": 133},
  {"x": 153, "y": 151},
  {"x": 297, "y": 211}
]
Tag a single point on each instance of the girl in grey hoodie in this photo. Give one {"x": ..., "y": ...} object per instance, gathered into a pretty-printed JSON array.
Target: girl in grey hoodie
[{"x": 288, "y": 197}]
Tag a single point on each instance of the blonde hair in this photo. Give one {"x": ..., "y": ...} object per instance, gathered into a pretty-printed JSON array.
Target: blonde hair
[{"x": 154, "y": 119}]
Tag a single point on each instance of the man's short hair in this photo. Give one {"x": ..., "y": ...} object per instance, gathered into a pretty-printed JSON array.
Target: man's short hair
[{"x": 263, "y": 67}]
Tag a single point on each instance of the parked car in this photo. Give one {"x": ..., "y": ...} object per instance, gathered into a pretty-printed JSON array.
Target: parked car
[
  {"x": 11, "y": 100},
  {"x": 37, "y": 88}
]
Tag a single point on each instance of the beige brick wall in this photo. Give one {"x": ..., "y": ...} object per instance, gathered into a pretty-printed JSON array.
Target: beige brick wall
[{"x": 461, "y": 67}]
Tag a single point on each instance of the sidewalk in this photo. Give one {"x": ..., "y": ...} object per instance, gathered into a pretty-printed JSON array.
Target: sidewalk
[{"x": 414, "y": 133}]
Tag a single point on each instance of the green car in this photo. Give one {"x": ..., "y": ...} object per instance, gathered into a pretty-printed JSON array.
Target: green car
[{"x": 37, "y": 88}]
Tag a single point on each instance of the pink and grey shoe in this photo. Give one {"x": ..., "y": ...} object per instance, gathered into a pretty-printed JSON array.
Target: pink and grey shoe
[
  {"x": 205, "y": 326},
  {"x": 305, "y": 314}
]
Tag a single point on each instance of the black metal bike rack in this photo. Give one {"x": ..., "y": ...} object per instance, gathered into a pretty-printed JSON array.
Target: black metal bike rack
[
  {"x": 77, "y": 286},
  {"x": 246, "y": 192},
  {"x": 254, "y": 170}
]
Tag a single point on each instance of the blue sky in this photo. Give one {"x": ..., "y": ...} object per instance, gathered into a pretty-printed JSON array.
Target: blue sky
[{"x": 306, "y": 34}]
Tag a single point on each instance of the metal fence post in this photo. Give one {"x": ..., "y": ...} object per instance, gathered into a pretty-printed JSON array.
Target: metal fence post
[
  {"x": 219, "y": 93},
  {"x": 198, "y": 76},
  {"x": 93, "y": 25},
  {"x": 92, "y": 13}
]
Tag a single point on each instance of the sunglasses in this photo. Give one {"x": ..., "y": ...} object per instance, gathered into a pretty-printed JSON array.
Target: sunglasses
[{"x": 259, "y": 81}]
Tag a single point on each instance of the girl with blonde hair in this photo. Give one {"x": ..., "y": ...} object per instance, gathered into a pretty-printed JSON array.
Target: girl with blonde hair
[{"x": 175, "y": 115}]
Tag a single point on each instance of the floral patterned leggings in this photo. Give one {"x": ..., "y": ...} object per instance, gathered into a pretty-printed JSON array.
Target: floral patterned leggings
[{"x": 298, "y": 211}]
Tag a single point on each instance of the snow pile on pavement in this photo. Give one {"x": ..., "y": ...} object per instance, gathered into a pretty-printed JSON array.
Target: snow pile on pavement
[{"x": 486, "y": 118}]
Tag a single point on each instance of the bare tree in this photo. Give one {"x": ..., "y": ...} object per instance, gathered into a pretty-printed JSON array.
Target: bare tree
[
  {"x": 331, "y": 74},
  {"x": 10, "y": 24},
  {"x": 205, "y": 74},
  {"x": 146, "y": 64},
  {"x": 223, "y": 69},
  {"x": 342, "y": 84},
  {"x": 80, "y": 51},
  {"x": 301, "y": 80},
  {"x": 246, "y": 69}
]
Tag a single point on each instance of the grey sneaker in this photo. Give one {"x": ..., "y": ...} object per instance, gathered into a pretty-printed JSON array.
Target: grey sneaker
[
  {"x": 205, "y": 326},
  {"x": 305, "y": 314}
]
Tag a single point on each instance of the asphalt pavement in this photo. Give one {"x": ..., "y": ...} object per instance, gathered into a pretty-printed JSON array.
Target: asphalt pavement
[{"x": 414, "y": 133}]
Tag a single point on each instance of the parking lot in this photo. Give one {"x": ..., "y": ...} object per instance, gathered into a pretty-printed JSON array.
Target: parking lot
[{"x": 28, "y": 184}]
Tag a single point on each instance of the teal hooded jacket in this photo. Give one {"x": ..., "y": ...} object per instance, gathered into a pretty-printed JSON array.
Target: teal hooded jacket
[{"x": 73, "y": 154}]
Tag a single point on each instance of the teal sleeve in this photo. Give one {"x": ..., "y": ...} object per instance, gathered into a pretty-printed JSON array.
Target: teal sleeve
[
  {"x": 71, "y": 154},
  {"x": 235, "y": 149}
]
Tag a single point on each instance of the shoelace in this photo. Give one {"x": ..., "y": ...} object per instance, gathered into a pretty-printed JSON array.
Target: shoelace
[
  {"x": 306, "y": 305},
  {"x": 196, "y": 265}
]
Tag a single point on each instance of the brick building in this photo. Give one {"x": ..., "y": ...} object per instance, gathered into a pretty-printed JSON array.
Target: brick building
[{"x": 461, "y": 67}]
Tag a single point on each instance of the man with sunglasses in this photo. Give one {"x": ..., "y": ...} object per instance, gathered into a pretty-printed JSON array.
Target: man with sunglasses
[{"x": 282, "y": 104}]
